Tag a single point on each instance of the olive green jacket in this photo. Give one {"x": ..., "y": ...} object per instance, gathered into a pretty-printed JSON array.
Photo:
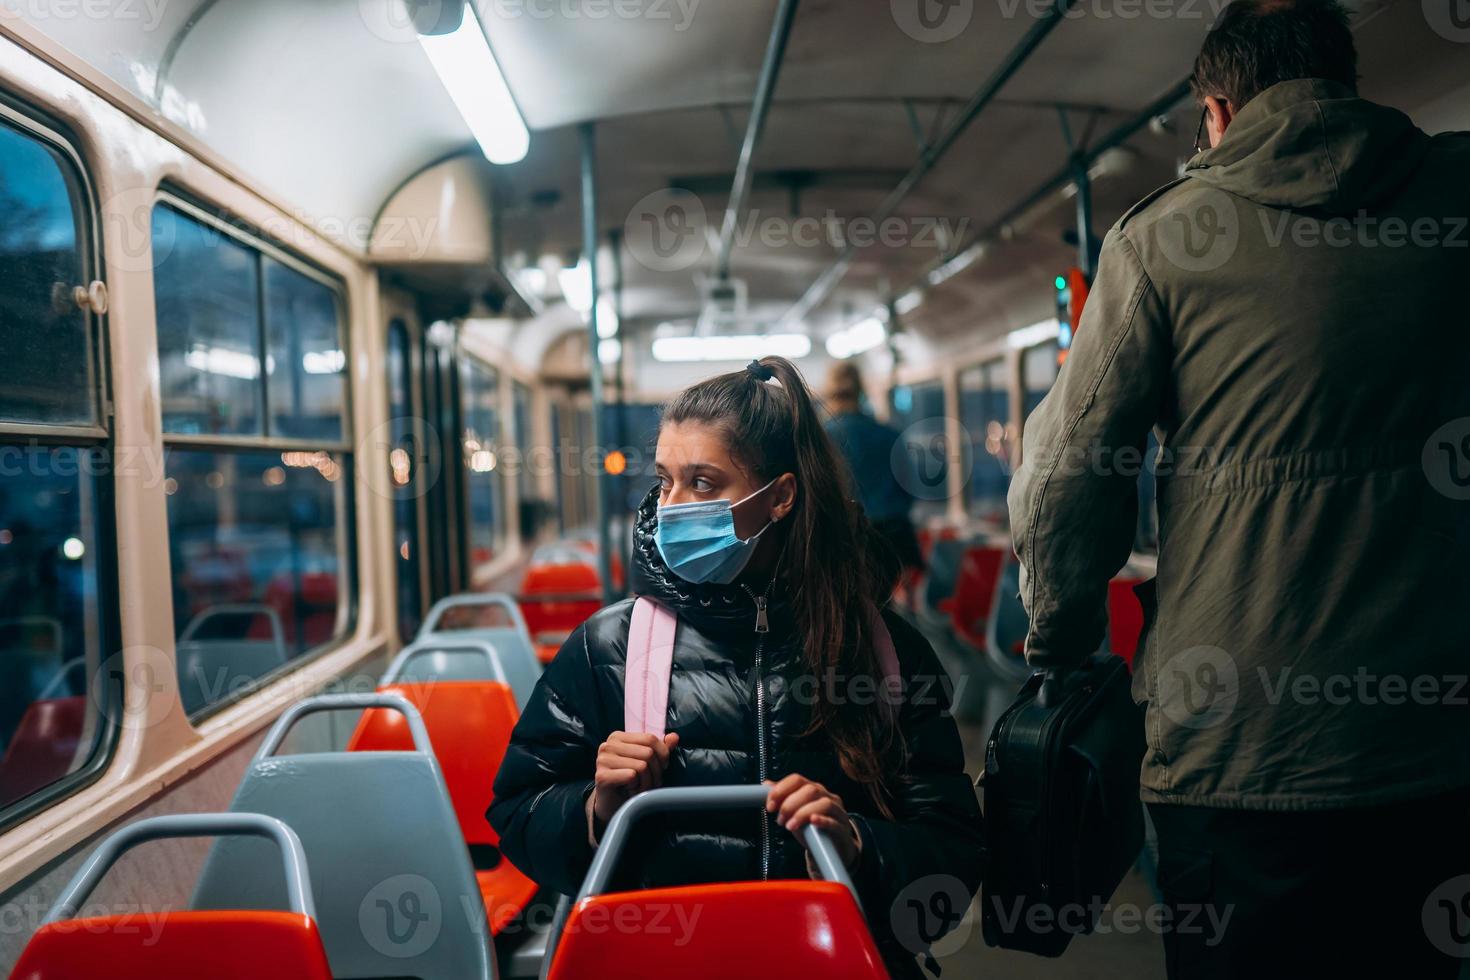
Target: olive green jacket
[{"x": 1290, "y": 318}]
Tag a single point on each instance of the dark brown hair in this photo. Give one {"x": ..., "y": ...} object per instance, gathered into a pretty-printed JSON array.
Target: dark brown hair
[
  {"x": 835, "y": 579},
  {"x": 1259, "y": 43}
]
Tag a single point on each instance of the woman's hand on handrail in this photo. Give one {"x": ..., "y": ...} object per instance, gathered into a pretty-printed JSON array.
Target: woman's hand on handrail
[{"x": 798, "y": 801}]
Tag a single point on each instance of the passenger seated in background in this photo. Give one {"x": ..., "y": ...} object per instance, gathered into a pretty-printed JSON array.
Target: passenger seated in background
[
  {"x": 1290, "y": 315},
  {"x": 868, "y": 445},
  {"x": 775, "y": 677}
]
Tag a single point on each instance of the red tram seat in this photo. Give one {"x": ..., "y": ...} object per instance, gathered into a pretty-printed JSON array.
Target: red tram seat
[
  {"x": 43, "y": 748},
  {"x": 219, "y": 945},
  {"x": 974, "y": 595},
  {"x": 469, "y": 724},
  {"x": 561, "y": 588},
  {"x": 181, "y": 945},
  {"x": 1125, "y": 618},
  {"x": 787, "y": 930}
]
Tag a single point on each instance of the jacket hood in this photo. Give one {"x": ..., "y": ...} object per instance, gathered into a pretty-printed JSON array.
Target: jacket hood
[
  {"x": 709, "y": 606},
  {"x": 1311, "y": 143}
]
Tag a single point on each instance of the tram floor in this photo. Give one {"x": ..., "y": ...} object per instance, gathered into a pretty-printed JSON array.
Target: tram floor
[{"x": 1118, "y": 949}]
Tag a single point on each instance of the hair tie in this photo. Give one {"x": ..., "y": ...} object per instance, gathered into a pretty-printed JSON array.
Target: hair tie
[{"x": 759, "y": 371}]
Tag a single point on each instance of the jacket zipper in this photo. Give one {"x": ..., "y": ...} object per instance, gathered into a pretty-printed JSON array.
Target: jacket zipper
[{"x": 762, "y": 627}]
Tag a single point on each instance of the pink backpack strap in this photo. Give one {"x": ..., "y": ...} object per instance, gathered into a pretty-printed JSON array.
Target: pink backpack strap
[
  {"x": 646, "y": 676},
  {"x": 887, "y": 656}
]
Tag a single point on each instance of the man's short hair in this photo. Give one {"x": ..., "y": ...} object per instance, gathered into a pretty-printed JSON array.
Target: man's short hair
[{"x": 1258, "y": 43}]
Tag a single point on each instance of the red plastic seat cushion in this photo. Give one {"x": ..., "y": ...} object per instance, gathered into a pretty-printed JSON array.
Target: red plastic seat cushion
[
  {"x": 177, "y": 946},
  {"x": 787, "y": 930}
]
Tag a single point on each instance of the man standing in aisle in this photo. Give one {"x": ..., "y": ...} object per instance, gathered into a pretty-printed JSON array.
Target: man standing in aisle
[{"x": 1290, "y": 316}]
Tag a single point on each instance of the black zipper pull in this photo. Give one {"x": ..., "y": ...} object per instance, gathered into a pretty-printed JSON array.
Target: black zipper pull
[{"x": 762, "y": 624}]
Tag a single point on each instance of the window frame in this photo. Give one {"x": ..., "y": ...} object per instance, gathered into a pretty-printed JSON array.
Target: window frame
[
  {"x": 988, "y": 369},
  {"x": 345, "y": 491},
  {"x": 107, "y": 715}
]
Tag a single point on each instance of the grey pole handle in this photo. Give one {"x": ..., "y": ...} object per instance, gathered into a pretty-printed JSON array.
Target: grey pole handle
[
  {"x": 298, "y": 883},
  {"x": 430, "y": 645},
  {"x": 824, "y": 854},
  {"x": 346, "y": 702},
  {"x": 470, "y": 599}
]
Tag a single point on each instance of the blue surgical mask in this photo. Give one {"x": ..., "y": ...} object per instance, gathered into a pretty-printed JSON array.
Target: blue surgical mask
[{"x": 698, "y": 542}]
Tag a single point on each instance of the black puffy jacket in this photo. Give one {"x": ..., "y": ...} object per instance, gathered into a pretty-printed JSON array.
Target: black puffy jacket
[{"x": 717, "y": 709}]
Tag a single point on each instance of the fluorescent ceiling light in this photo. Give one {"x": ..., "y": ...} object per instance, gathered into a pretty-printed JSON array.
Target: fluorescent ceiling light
[
  {"x": 736, "y": 347},
  {"x": 1037, "y": 333},
  {"x": 909, "y": 302},
  {"x": 576, "y": 287},
  {"x": 856, "y": 339},
  {"x": 609, "y": 351},
  {"x": 467, "y": 67}
]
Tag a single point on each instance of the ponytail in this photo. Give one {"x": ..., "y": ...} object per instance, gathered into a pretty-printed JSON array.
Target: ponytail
[{"x": 776, "y": 429}]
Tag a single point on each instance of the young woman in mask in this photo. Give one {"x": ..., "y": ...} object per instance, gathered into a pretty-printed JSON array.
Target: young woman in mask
[{"x": 753, "y": 541}]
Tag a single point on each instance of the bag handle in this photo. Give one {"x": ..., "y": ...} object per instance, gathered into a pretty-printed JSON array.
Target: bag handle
[{"x": 649, "y": 662}]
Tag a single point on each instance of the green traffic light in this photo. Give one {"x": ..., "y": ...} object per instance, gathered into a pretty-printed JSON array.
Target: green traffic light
[{"x": 1061, "y": 282}]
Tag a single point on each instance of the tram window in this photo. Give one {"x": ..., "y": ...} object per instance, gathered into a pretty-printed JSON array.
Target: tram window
[
  {"x": 41, "y": 329},
  {"x": 1038, "y": 373},
  {"x": 985, "y": 414},
  {"x": 257, "y": 463},
  {"x": 207, "y": 297},
  {"x": 404, "y": 452},
  {"x": 480, "y": 417},
  {"x": 307, "y": 366},
  {"x": 57, "y": 603}
]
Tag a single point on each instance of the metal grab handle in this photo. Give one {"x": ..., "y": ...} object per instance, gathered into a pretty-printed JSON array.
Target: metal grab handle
[
  {"x": 346, "y": 702},
  {"x": 823, "y": 852},
  {"x": 468, "y": 600},
  {"x": 431, "y": 645},
  {"x": 298, "y": 883}
]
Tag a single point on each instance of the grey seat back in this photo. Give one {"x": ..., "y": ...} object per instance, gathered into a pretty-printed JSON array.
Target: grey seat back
[
  {"x": 396, "y": 894},
  {"x": 512, "y": 643}
]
